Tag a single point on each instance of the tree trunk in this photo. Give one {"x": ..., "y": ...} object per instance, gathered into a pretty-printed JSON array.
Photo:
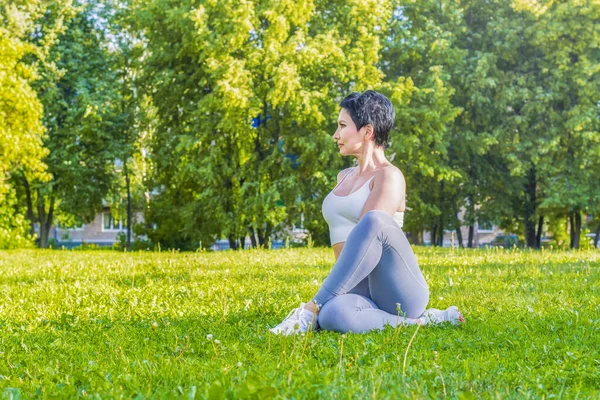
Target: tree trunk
[
  {"x": 29, "y": 205},
  {"x": 434, "y": 235},
  {"x": 41, "y": 211},
  {"x": 253, "y": 237},
  {"x": 419, "y": 237},
  {"x": 242, "y": 242},
  {"x": 261, "y": 236},
  {"x": 571, "y": 230},
  {"x": 45, "y": 219},
  {"x": 128, "y": 204},
  {"x": 470, "y": 238},
  {"x": 268, "y": 232},
  {"x": 538, "y": 237},
  {"x": 597, "y": 237},
  {"x": 50, "y": 218},
  {"x": 264, "y": 234},
  {"x": 578, "y": 228},
  {"x": 530, "y": 208},
  {"x": 441, "y": 232},
  {"x": 442, "y": 222},
  {"x": 575, "y": 240},
  {"x": 232, "y": 242},
  {"x": 459, "y": 237}
]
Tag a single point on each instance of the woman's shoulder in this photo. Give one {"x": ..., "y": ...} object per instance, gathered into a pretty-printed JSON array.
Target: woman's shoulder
[
  {"x": 343, "y": 173},
  {"x": 389, "y": 176},
  {"x": 391, "y": 172}
]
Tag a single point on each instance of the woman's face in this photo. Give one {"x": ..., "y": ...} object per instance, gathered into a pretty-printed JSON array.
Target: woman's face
[{"x": 349, "y": 140}]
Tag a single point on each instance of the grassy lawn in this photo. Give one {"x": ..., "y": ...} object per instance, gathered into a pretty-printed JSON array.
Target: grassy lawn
[{"x": 106, "y": 324}]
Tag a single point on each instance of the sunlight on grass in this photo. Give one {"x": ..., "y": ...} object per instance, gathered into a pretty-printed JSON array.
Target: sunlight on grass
[{"x": 195, "y": 325}]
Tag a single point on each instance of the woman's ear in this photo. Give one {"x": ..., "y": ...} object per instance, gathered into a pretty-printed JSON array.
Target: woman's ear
[{"x": 369, "y": 132}]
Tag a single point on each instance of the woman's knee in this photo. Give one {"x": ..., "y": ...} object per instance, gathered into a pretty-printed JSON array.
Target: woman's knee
[
  {"x": 333, "y": 314},
  {"x": 340, "y": 314},
  {"x": 377, "y": 217}
]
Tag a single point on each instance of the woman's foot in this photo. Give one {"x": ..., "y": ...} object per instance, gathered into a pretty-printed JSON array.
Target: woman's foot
[
  {"x": 299, "y": 320},
  {"x": 433, "y": 316}
]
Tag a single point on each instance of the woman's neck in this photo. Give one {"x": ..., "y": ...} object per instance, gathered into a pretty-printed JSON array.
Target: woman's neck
[{"x": 372, "y": 160}]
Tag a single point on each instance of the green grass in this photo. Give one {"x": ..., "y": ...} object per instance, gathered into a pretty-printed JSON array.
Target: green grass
[{"x": 107, "y": 324}]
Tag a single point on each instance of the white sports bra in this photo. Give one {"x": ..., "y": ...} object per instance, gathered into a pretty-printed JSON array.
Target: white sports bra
[{"x": 342, "y": 212}]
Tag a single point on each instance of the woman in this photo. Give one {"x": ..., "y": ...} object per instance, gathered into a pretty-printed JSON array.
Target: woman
[{"x": 376, "y": 279}]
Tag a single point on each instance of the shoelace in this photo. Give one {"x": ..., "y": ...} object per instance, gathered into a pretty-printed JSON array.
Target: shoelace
[
  {"x": 292, "y": 318},
  {"x": 294, "y": 313}
]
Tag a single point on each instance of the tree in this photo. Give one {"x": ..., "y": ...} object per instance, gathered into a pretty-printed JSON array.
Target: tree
[
  {"x": 77, "y": 91},
  {"x": 131, "y": 126},
  {"x": 418, "y": 59},
  {"x": 566, "y": 33},
  {"x": 21, "y": 128},
  {"x": 246, "y": 97}
]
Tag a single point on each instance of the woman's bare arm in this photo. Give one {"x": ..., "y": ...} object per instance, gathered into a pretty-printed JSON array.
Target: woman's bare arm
[{"x": 337, "y": 249}]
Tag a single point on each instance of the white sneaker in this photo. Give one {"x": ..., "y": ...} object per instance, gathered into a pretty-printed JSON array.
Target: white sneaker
[
  {"x": 299, "y": 320},
  {"x": 433, "y": 316}
]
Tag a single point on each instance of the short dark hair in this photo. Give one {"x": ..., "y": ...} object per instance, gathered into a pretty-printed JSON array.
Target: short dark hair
[{"x": 371, "y": 108}]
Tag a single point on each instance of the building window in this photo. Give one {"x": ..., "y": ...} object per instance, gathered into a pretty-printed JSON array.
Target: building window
[{"x": 110, "y": 224}]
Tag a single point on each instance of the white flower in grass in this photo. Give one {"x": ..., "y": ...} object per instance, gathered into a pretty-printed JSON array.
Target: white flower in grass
[
  {"x": 209, "y": 336},
  {"x": 217, "y": 341}
]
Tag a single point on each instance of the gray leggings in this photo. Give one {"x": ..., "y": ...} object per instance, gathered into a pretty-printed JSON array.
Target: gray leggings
[{"x": 376, "y": 270}]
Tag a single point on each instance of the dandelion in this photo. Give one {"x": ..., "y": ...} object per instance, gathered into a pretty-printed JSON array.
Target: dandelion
[
  {"x": 217, "y": 341},
  {"x": 209, "y": 336},
  {"x": 154, "y": 326}
]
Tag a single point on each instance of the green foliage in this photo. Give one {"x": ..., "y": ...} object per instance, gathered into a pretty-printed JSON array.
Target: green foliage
[
  {"x": 77, "y": 90},
  {"x": 222, "y": 112},
  {"x": 20, "y": 114},
  {"x": 532, "y": 98},
  {"x": 20, "y": 110},
  {"x": 284, "y": 65},
  {"x": 78, "y": 99},
  {"x": 137, "y": 325},
  {"x": 418, "y": 60},
  {"x": 13, "y": 226}
]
